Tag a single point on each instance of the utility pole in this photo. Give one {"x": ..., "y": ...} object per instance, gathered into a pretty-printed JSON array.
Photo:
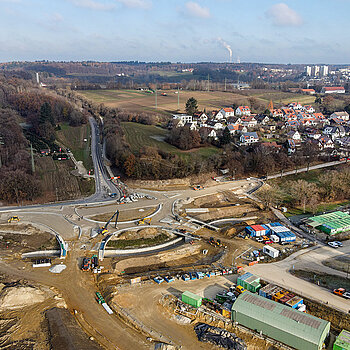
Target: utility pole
[
  {"x": 178, "y": 97},
  {"x": 156, "y": 98},
  {"x": 208, "y": 83},
  {"x": 225, "y": 84},
  {"x": 32, "y": 158}
]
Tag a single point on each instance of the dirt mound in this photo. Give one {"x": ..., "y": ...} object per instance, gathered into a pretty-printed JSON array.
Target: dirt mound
[
  {"x": 143, "y": 233},
  {"x": 230, "y": 231},
  {"x": 12, "y": 298}
]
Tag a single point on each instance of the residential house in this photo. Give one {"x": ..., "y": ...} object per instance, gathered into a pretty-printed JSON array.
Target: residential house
[
  {"x": 200, "y": 117},
  {"x": 325, "y": 142},
  {"x": 308, "y": 91},
  {"x": 249, "y": 138},
  {"x": 333, "y": 90},
  {"x": 182, "y": 119},
  {"x": 242, "y": 110},
  {"x": 228, "y": 112},
  {"x": 262, "y": 119},
  {"x": 340, "y": 115},
  {"x": 233, "y": 128},
  {"x": 294, "y": 124},
  {"x": 249, "y": 121},
  {"x": 314, "y": 134},
  {"x": 292, "y": 145},
  {"x": 295, "y": 105},
  {"x": 234, "y": 120},
  {"x": 276, "y": 113},
  {"x": 309, "y": 109},
  {"x": 216, "y": 125},
  {"x": 343, "y": 142},
  {"x": 294, "y": 135},
  {"x": 334, "y": 132}
]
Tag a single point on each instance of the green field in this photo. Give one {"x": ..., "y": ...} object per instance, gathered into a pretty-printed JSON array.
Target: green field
[
  {"x": 139, "y": 136},
  {"x": 73, "y": 138},
  {"x": 140, "y": 101}
]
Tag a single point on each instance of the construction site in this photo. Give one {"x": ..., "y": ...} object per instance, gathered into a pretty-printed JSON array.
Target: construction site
[{"x": 130, "y": 268}]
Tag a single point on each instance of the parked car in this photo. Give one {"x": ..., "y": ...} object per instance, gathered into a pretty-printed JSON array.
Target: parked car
[
  {"x": 346, "y": 295},
  {"x": 339, "y": 244},
  {"x": 333, "y": 244},
  {"x": 240, "y": 289},
  {"x": 339, "y": 291},
  {"x": 158, "y": 279},
  {"x": 268, "y": 242}
]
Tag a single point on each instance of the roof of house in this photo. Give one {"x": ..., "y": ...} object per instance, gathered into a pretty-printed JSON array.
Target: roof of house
[
  {"x": 250, "y": 134},
  {"x": 244, "y": 108},
  {"x": 341, "y": 114},
  {"x": 228, "y": 110},
  {"x": 333, "y": 88}
]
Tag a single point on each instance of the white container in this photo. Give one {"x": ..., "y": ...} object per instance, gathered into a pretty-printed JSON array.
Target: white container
[
  {"x": 271, "y": 251},
  {"x": 107, "y": 308},
  {"x": 274, "y": 238}
]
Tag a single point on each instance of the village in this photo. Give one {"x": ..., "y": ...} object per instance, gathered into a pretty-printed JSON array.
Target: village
[{"x": 287, "y": 127}]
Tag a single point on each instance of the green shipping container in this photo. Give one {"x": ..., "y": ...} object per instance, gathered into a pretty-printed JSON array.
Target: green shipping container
[
  {"x": 191, "y": 299},
  {"x": 343, "y": 341}
]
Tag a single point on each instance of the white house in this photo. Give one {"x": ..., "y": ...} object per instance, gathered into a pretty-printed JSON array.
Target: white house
[
  {"x": 295, "y": 105},
  {"x": 216, "y": 125},
  {"x": 249, "y": 121},
  {"x": 227, "y": 112},
  {"x": 333, "y": 90},
  {"x": 243, "y": 110},
  {"x": 340, "y": 115},
  {"x": 294, "y": 135},
  {"x": 334, "y": 132},
  {"x": 309, "y": 109},
  {"x": 249, "y": 138},
  {"x": 182, "y": 118},
  {"x": 325, "y": 142}
]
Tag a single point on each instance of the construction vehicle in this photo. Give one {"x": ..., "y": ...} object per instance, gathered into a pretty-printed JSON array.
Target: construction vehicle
[
  {"x": 86, "y": 266},
  {"x": 216, "y": 243},
  {"x": 13, "y": 219},
  {"x": 145, "y": 221},
  {"x": 198, "y": 187},
  {"x": 103, "y": 230}
]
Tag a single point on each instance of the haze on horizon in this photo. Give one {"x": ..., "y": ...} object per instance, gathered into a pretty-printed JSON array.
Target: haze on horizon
[{"x": 292, "y": 31}]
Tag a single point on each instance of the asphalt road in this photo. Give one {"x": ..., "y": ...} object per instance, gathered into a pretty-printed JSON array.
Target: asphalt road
[
  {"x": 303, "y": 170},
  {"x": 309, "y": 259}
]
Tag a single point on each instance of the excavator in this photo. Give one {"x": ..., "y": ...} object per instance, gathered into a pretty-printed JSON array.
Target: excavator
[
  {"x": 13, "y": 219},
  {"x": 104, "y": 229},
  {"x": 144, "y": 221}
]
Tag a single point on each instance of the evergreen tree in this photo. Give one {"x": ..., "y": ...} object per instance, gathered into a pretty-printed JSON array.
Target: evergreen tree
[{"x": 191, "y": 106}]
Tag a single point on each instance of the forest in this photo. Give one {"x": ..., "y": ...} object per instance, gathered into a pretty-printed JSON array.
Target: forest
[{"x": 28, "y": 115}]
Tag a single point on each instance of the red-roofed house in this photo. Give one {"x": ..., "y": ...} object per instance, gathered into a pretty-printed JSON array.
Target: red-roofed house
[
  {"x": 228, "y": 112},
  {"x": 308, "y": 91},
  {"x": 333, "y": 90},
  {"x": 243, "y": 110}
]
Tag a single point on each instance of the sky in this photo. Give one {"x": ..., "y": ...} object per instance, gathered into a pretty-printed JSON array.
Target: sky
[{"x": 264, "y": 31}]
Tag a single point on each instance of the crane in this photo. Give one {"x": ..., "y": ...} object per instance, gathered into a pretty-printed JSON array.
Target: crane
[{"x": 104, "y": 229}]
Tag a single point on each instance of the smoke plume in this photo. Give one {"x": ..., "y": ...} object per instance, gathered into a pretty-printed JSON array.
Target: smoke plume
[{"x": 227, "y": 47}]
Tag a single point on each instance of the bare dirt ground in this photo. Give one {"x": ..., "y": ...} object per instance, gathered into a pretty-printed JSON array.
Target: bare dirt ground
[
  {"x": 22, "y": 320},
  {"x": 18, "y": 238},
  {"x": 126, "y": 215},
  {"x": 147, "y": 307}
]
